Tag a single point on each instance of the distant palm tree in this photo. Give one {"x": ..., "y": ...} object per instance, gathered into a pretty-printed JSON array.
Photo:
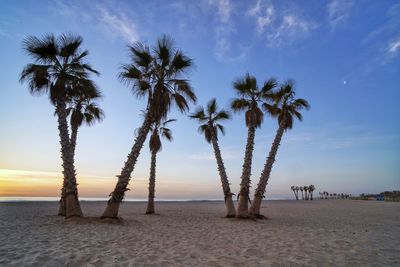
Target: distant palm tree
[
  {"x": 82, "y": 110},
  {"x": 210, "y": 126},
  {"x": 157, "y": 129},
  {"x": 294, "y": 191},
  {"x": 251, "y": 97},
  {"x": 301, "y": 189},
  {"x": 157, "y": 74},
  {"x": 311, "y": 188},
  {"x": 305, "y": 192},
  {"x": 286, "y": 107},
  {"x": 60, "y": 70}
]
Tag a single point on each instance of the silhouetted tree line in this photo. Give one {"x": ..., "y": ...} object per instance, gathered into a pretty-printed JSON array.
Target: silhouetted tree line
[{"x": 306, "y": 192}]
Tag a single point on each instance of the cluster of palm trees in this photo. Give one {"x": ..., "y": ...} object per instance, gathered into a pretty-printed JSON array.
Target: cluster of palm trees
[
  {"x": 308, "y": 192},
  {"x": 327, "y": 195},
  {"x": 157, "y": 75}
]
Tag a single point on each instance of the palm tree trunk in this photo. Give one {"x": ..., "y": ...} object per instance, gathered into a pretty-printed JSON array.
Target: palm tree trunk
[
  {"x": 118, "y": 194},
  {"x": 230, "y": 207},
  {"x": 152, "y": 184},
  {"x": 72, "y": 206},
  {"x": 242, "y": 209},
  {"x": 265, "y": 174},
  {"x": 311, "y": 195},
  {"x": 74, "y": 135},
  {"x": 294, "y": 192}
]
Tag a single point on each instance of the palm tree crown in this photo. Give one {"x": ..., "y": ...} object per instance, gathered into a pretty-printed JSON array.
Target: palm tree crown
[
  {"x": 59, "y": 67},
  {"x": 286, "y": 106},
  {"x": 84, "y": 110},
  {"x": 249, "y": 98},
  {"x": 157, "y": 75},
  {"x": 158, "y": 129},
  {"x": 210, "y": 119}
]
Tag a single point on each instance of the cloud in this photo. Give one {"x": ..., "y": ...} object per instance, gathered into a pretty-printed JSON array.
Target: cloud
[
  {"x": 263, "y": 15},
  {"x": 394, "y": 46},
  {"x": 339, "y": 12},
  {"x": 223, "y": 30},
  {"x": 110, "y": 21},
  {"x": 224, "y": 10},
  {"x": 290, "y": 28},
  {"x": 279, "y": 26},
  {"x": 119, "y": 24},
  {"x": 384, "y": 40}
]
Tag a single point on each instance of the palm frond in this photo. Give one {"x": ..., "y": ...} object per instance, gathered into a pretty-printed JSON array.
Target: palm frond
[
  {"x": 180, "y": 62},
  {"x": 221, "y": 128},
  {"x": 69, "y": 44},
  {"x": 141, "y": 55},
  {"x": 240, "y": 104},
  {"x": 212, "y": 106},
  {"x": 222, "y": 115},
  {"x": 43, "y": 50}
]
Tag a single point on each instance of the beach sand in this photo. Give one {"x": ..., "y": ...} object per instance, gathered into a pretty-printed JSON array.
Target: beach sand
[{"x": 298, "y": 233}]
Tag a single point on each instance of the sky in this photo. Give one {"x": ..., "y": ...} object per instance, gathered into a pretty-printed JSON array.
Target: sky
[{"x": 343, "y": 55}]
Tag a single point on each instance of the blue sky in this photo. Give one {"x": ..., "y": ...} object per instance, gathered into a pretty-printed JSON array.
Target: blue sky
[{"x": 344, "y": 56}]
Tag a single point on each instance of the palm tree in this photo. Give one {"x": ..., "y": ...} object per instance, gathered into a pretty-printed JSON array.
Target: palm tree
[
  {"x": 157, "y": 74},
  {"x": 250, "y": 96},
  {"x": 58, "y": 68},
  {"x": 82, "y": 110},
  {"x": 301, "y": 189},
  {"x": 305, "y": 192},
  {"x": 312, "y": 188},
  {"x": 285, "y": 109},
  {"x": 210, "y": 125},
  {"x": 155, "y": 145},
  {"x": 294, "y": 191}
]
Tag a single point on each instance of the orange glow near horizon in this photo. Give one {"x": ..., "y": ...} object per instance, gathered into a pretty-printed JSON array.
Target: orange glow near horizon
[{"x": 22, "y": 183}]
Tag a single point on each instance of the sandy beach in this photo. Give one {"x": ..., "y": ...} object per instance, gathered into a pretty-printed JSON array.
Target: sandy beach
[{"x": 301, "y": 233}]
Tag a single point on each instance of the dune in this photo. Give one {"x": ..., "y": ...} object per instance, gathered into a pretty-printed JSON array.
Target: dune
[{"x": 301, "y": 233}]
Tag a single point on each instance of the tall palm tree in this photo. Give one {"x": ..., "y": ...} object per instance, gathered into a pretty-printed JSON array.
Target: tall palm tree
[
  {"x": 210, "y": 125},
  {"x": 250, "y": 97},
  {"x": 285, "y": 109},
  {"x": 155, "y": 145},
  {"x": 59, "y": 65},
  {"x": 82, "y": 109},
  {"x": 159, "y": 76},
  {"x": 302, "y": 195}
]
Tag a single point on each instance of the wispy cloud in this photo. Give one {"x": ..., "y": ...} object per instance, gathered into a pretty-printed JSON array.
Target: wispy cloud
[
  {"x": 118, "y": 23},
  {"x": 394, "y": 46},
  {"x": 384, "y": 40},
  {"x": 110, "y": 21},
  {"x": 279, "y": 26},
  {"x": 338, "y": 12},
  {"x": 224, "y": 29},
  {"x": 262, "y": 14}
]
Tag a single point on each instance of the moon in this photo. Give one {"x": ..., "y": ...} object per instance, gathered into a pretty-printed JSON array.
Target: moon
[{"x": 344, "y": 82}]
